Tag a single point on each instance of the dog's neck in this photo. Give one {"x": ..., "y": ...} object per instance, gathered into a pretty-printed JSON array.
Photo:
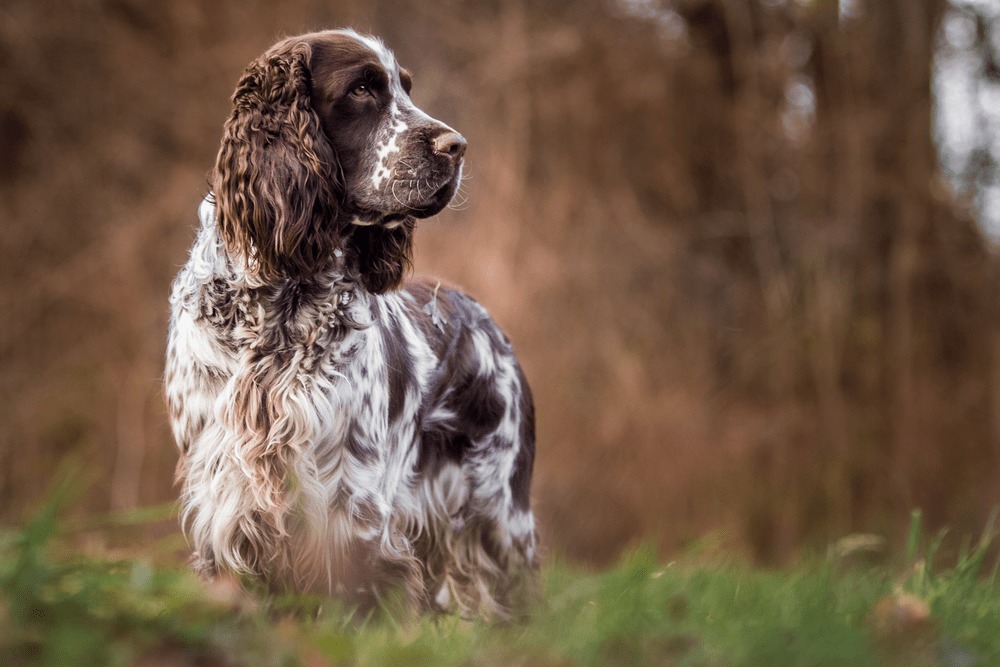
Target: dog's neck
[{"x": 271, "y": 315}]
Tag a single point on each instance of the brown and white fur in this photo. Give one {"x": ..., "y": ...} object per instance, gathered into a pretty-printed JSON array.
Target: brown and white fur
[{"x": 341, "y": 431}]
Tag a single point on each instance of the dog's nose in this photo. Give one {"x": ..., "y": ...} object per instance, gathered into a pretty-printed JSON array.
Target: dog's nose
[{"x": 450, "y": 143}]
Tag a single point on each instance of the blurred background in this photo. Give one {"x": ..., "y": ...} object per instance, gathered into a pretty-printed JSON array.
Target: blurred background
[{"x": 744, "y": 249}]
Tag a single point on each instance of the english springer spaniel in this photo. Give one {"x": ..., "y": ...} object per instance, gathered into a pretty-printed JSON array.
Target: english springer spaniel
[{"x": 341, "y": 431}]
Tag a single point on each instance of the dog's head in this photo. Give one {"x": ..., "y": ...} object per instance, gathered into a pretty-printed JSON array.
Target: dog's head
[{"x": 324, "y": 149}]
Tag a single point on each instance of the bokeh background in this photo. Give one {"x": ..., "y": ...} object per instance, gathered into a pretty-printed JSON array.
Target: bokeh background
[{"x": 742, "y": 247}]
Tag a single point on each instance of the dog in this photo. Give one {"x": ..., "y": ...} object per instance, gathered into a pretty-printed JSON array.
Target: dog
[{"x": 343, "y": 431}]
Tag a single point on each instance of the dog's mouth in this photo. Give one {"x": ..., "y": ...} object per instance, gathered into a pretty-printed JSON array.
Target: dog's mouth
[
  {"x": 412, "y": 199},
  {"x": 439, "y": 198}
]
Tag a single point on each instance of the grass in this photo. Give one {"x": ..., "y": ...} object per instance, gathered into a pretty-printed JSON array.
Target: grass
[{"x": 59, "y": 606}]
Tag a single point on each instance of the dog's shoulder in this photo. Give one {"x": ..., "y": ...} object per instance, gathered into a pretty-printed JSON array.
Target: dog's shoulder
[{"x": 444, "y": 313}]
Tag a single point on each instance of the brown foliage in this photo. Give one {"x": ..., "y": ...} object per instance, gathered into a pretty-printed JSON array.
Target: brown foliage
[{"x": 719, "y": 241}]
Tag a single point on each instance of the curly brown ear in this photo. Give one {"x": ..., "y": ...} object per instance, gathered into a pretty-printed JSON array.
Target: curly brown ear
[
  {"x": 384, "y": 254},
  {"x": 276, "y": 182}
]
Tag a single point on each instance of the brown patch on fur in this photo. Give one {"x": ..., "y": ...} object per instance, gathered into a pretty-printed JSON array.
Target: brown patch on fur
[{"x": 384, "y": 255}]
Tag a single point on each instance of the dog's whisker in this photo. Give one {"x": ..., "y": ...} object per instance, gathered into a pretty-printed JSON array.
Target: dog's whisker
[
  {"x": 460, "y": 201},
  {"x": 396, "y": 197}
]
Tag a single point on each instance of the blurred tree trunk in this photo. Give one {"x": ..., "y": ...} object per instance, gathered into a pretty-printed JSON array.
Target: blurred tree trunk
[{"x": 904, "y": 155}]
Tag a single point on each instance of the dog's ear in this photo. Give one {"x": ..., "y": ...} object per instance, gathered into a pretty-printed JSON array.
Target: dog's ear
[
  {"x": 384, "y": 254},
  {"x": 277, "y": 182}
]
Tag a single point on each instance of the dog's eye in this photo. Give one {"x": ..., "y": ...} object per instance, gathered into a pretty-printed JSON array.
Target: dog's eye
[{"x": 361, "y": 90}]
